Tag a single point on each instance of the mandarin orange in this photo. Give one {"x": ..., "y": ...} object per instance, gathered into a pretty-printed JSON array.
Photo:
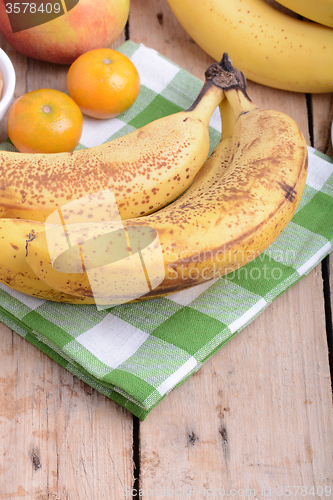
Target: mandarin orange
[
  {"x": 44, "y": 121},
  {"x": 103, "y": 82}
]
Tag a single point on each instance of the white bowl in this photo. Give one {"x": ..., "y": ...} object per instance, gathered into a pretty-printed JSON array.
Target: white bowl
[{"x": 8, "y": 74}]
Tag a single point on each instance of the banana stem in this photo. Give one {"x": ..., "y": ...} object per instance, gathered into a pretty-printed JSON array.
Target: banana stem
[
  {"x": 225, "y": 76},
  {"x": 239, "y": 102},
  {"x": 228, "y": 119},
  {"x": 222, "y": 79},
  {"x": 207, "y": 101}
]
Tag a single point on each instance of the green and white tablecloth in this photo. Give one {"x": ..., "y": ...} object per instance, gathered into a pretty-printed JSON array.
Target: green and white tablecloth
[{"x": 136, "y": 353}]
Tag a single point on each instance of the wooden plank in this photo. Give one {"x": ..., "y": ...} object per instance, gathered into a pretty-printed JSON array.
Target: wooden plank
[
  {"x": 330, "y": 272},
  {"x": 259, "y": 413},
  {"x": 59, "y": 438},
  {"x": 162, "y": 32},
  {"x": 329, "y": 319},
  {"x": 322, "y": 110}
]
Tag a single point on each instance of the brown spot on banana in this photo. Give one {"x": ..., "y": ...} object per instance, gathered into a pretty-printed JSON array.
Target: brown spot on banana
[{"x": 289, "y": 190}]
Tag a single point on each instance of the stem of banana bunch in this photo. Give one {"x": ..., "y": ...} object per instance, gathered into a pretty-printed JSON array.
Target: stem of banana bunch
[
  {"x": 233, "y": 82},
  {"x": 207, "y": 101},
  {"x": 228, "y": 119},
  {"x": 222, "y": 80}
]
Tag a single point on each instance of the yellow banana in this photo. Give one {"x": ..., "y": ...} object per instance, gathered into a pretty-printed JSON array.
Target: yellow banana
[
  {"x": 14, "y": 269},
  {"x": 268, "y": 46},
  {"x": 145, "y": 170},
  {"x": 200, "y": 236},
  {"x": 320, "y": 11},
  {"x": 218, "y": 162}
]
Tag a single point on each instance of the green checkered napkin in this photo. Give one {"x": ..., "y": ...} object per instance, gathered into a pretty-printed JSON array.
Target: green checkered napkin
[{"x": 136, "y": 353}]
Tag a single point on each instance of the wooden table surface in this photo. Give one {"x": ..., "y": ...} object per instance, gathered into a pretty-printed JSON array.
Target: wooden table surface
[{"x": 253, "y": 421}]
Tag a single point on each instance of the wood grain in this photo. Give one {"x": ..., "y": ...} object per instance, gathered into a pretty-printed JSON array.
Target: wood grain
[
  {"x": 322, "y": 112},
  {"x": 60, "y": 439},
  {"x": 330, "y": 277},
  {"x": 258, "y": 414}
]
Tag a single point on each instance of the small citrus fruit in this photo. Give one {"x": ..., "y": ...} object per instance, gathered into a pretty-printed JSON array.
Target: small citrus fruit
[
  {"x": 44, "y": 121},
  {"x": 103, "y": 82}
]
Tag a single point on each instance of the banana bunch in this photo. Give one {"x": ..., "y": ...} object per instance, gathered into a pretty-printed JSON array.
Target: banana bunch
[
  {"x": 145, "y": 170},
  {"x": 243, "y": 197},
  {"x": 269, "y": 47}
]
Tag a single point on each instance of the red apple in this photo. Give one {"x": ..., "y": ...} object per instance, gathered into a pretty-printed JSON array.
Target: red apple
[{"x": 87, "y": 25}]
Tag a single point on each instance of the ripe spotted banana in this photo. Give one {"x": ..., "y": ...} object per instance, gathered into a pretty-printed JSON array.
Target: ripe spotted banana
[
  {"x": 216, "y": 165},
  {"x": 145, "y": 170},
  {"x": 204, "y": 234},
  {"x": 268, "y": 46},
  {"x": 15, "y": 271},
  {"x": 320, "y": 11}
]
